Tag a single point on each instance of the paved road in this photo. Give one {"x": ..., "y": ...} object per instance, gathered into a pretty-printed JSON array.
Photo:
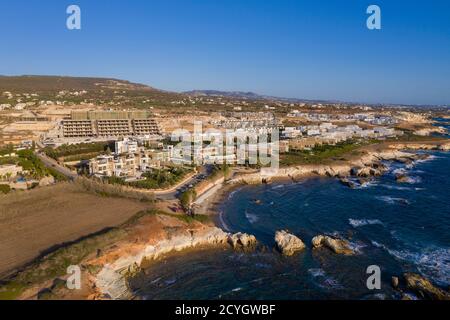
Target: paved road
[
  {"x": 49, "y": 162},
  {"x": 195, "y": 179}
]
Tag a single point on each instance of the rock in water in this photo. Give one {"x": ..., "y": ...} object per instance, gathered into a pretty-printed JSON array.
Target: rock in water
[
  {"x": 339, "y": 246},
  {"x": 424, "y": 288},
  {"x": 241, "y": 240},
  {"x": 394, "y": 282},
  {"x": 403, "y": 178},
  {"x": 288, "y": 243},
  {"x": 348, "y": 183}
]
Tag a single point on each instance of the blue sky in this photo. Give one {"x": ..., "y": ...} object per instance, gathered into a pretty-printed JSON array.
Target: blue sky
[{"x": 304, "y": 49}]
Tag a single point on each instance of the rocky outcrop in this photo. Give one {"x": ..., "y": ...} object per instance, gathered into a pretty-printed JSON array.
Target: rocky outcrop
[
  {"x": 443, "y": 146},
  {"x": 395, "y": 282},
  {"x": 288, "y": 243},
  {"x": 338, "y": 246},
  {"x": 403, "y": 178},
  {"x": 424, "y": 288},
  {"x": 241, "y": 240},
  {"x": 112, "y": 281},
  {"x": 368, "y": 171},
  {"x": 367, "y": 165}
]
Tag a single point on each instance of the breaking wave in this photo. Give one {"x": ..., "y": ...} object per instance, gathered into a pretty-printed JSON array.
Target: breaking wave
[
  {"x": 363, "y": 222},
  {"x": 393, "y": 200},
  {"x": 432, "y": 262},
  {"x": 324, "y": 281}
]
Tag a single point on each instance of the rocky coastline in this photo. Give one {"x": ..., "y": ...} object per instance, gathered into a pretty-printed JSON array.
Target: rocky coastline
[
  {"x": 366, "y": 165},
  {"x": 112, "y": 281}
]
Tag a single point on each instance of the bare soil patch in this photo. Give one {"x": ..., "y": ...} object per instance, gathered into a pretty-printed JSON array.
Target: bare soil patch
[{"x": 33, "y": 222}]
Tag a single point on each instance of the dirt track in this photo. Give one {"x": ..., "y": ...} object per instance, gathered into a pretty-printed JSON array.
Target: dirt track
[{"x": 34, "y": 221}]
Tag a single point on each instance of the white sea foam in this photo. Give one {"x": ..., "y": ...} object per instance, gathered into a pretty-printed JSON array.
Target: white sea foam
[
  {"x": 325, "y": 281},
  {"x": 356, "y": 246},
  {"x": 331, "y": 283},
  {"x": 232, "y": 193},
  {"x": 251, "y": 217},
  {"x": 392, "y": 200},
  {"x": 432, "y": 262},
  {"x": 155, "y": 281},
  {"x": 379, "y": 296},
  {"x": 363, "y": 222},
  {"x": 278, "y": 186},
  {"x": 365, "y": 185},
  {"x": 222, "y": 222},
  {"x": 170, "y": 281},
  {"x": 317, "y": 272},
  {"x": 394, "y": 187},
  {"x": 378, "y": 245},
  {"x": 431, "y": 157},
  {"x": 399, "y": 171}
]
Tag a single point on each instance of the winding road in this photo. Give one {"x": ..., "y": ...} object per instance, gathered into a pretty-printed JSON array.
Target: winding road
[{"x": 52, "y": 163}]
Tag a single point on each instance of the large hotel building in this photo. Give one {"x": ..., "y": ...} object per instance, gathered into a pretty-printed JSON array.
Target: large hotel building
[{"x": 109, "y": 124}]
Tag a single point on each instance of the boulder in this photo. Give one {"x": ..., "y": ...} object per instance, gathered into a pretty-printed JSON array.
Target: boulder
[
  {"x": 288, "y": 243},
  {"x": 402, "y": 178},
  {"x": 338, "y": 246},
  {"x": 424, "y": 288},
  {"x": 368, "y": 171},
  {"x": 348, "y": 183},
  {"x": 394, "y": 282}
]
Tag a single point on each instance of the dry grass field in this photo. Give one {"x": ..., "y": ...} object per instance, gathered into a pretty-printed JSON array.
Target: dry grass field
[{"x": 33, "y": 222}]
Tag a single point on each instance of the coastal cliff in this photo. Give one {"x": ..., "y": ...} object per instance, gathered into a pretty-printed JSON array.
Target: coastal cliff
[{"x": 112, "y": 281}]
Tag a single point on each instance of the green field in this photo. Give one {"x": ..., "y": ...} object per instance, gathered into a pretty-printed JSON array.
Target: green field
[{"x": 320, "y": 154}]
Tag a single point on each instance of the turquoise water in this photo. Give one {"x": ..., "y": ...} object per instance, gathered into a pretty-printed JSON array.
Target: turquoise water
[{"x": 399, "y": 227}]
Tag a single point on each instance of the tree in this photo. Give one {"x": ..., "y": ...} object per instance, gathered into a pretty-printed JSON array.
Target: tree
[
  {"x": 4, "y": 188},
  {"x": 187, "y": 198}
]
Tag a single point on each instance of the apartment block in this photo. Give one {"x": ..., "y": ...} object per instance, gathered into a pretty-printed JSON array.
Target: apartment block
[
  {"x": 77, "y": 128},
  {"x": 128, "y": 165},
  {"x": 145, "y": 127},
  {"x": 114, "y": 124},
  {"x": 108, "y": 128}
]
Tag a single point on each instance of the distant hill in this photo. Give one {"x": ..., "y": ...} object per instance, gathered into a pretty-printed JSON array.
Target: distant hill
[
  {"x": 229, "y": 94},
  {"x": 31, "y": 83},
  {"x": 100, "y": 89},
  {"x": 249, "y": 96}
]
